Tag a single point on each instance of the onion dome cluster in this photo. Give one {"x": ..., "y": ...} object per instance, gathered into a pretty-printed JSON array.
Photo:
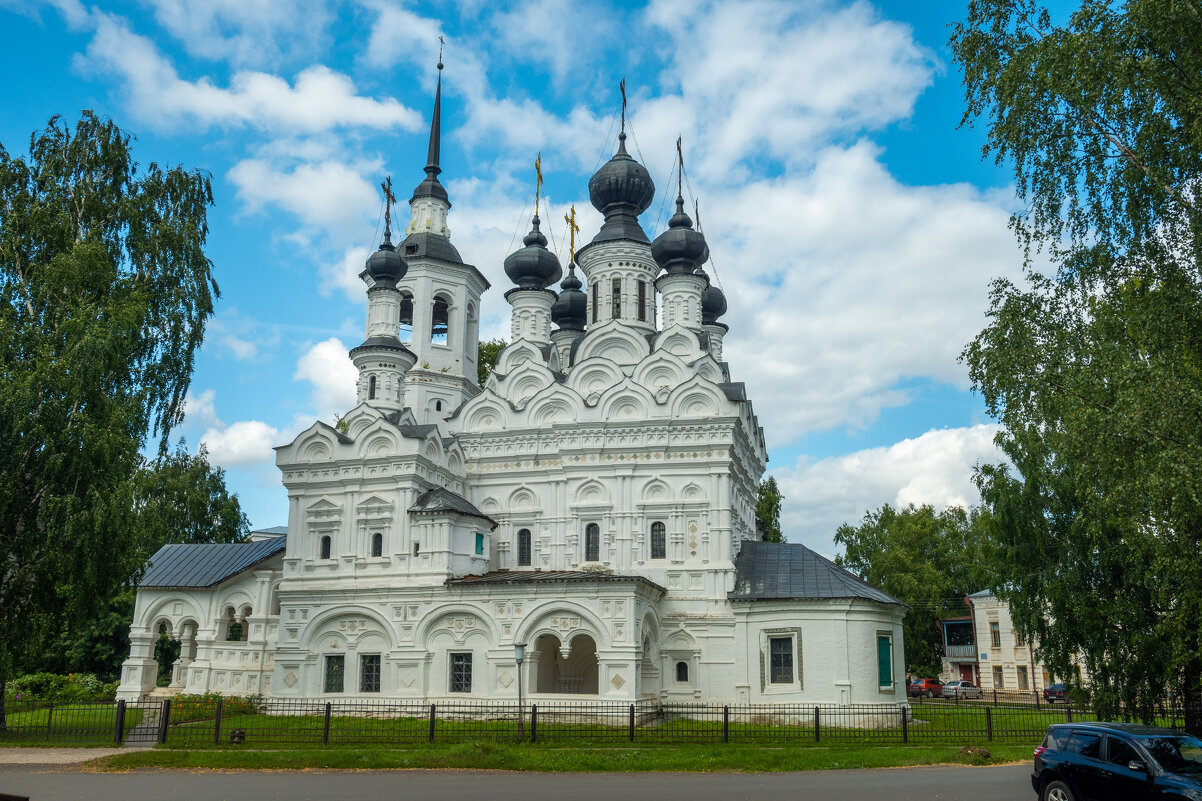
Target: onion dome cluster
[
  {"x": 621, "y": 190},
  {"x": 386, "y": 266},
  {"x": 533, "y": 266},
  {"x": 570, "y": 309},
  {"x": 713, "y": 302},
  {"x": 680, "y": 250}
]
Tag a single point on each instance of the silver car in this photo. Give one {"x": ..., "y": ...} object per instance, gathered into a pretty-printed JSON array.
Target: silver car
[{"x": 961, "y": 689}]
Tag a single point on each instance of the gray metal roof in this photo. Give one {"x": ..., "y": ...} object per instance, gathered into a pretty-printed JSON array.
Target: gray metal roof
[
  {"x": 441, "y": 500},
  {"x": 204, "y": 565},
  {"x": 551, "y": 577},
  {"x": 767, "y": 571}
]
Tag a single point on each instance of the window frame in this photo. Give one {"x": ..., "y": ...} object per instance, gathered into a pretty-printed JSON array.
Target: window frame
[
  {"x": 524, "y": 547},
  {"x": 680, "y": 663},
  {"x": 662, "y": 536},
  {"x": 616, "y": 299},
  {"x": 328, "y": 682},
  {"x": 999, "y": 678},
  {"x": 790, "y": 652},
  {"x": 1022, "y": 678},
  {"x": 366, "y": 677},
  {"x": 458, "y": 659},
  {"x": 479, "y": 544},
  {"x": 592, "y": 542},
  {"x": 995, "y": 634},
  {"x": 325, "y": 547},
  {"x": 376, "y": 548},
  {"x": 887, "y": 638},
  {"x": 642, "y": 300}
]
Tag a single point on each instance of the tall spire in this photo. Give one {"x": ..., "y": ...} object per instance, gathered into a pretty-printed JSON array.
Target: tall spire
[{"x": 432, "y": 168}]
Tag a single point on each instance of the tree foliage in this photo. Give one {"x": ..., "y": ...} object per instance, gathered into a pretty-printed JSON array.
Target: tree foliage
[
  {"x": 104, "y": 293},
  {"x": 179, "y": 497},
  {"x": 1094, "y": 367},
  {"x": 928, "y": 560},
  {"x": 486, "y": 358},
  {"x": 767, "y": 508}
]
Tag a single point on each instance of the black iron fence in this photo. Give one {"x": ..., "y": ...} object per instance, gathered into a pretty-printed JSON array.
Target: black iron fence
[{"x": 207, "y": 722}]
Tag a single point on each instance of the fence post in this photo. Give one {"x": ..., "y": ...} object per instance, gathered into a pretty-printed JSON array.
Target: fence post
[
  {"x": 164, "y": 719},
  {"x": 632, "y": 723},
  {"x": 1070, "y": 711},
  {"x": 432, "y": 719},
  {"x": 1037, "y": 694},
  {"x": 49, "y": 718},
  {"x": 995, "y": 696},
  {"x": 905, "y": 725},
  {"x": 325, "y": 732},
  {"x": 817, "y": 722},
  {"x": 988, "y": 724},
  {"x": 534, "y": 723},
  {"x": 726, "y": 724},
  {"x": 119, "y": 730},
  {"x": 217, "y": 722}
]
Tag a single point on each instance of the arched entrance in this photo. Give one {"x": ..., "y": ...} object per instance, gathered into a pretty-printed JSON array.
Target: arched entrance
[{"x": 565, "y": 668}]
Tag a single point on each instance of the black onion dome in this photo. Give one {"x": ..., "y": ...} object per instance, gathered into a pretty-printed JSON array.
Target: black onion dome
[
  {"x": 533, "y": 267},
  {"x": 386, "y": 266},
  {"x": 621, "y": 190},
  {"x": 713, "y": 301},
  {"x": 680, "y": 250},
  {"x": 570, "y": 309}
]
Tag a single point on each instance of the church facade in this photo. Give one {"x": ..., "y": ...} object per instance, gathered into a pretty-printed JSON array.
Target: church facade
[{"x": 594, "y": 501}]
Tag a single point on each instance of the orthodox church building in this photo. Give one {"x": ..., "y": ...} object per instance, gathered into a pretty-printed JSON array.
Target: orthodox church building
[{"x": 594, "y": 501}]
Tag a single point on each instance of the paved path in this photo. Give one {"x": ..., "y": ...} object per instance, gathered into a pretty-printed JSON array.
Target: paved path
[
  {"x": 945, "y": 783},
  {"x": 53, "y": 756}
]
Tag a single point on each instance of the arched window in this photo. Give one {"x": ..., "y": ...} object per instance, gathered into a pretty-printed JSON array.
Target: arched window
[
  {"x": 325, "y": 547},
  {"x": 371, "y": 388},
  {"x": 524, "y": 547},
  {"x": 438, "y": 406},
  {"x": 592, "y": 543},
  {"x": 682, "y": 671},
  {"x": 405, "y": 329},
  {"x": 440, "y": 320},
  {"x": 377, "y": 544},
  {"x": 659, "y": 544},
  {"x": 642, "y": 300}
]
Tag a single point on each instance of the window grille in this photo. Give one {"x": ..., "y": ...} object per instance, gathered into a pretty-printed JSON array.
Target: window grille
[
  {"x": 617, "y": 298},
  {"x": 682, "y": 671},
  {"x": 461, "y": 673},
  {"x": 524, "y": 548},
  {"x": 592, "y": 543},
  {"x": 659, "y": 541},
  {"x": 780, "y": 652},
  {"x": 334, "y": 671},
  {"x": 369, "y": 673}
]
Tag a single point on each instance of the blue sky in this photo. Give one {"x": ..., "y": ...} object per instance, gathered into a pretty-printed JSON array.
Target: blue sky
[{"x": 853, "y": 226}]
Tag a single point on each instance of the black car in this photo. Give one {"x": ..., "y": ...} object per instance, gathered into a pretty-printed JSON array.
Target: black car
[
  {"x": 1117, "y": 762},
  {"x": 1053, "y": 693}
]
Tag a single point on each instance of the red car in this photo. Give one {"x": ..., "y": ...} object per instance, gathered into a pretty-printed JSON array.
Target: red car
[{"x": 931, "y": 688}]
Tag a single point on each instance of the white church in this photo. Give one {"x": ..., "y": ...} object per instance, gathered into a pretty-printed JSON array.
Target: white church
[{"x": 592, "y": 505}]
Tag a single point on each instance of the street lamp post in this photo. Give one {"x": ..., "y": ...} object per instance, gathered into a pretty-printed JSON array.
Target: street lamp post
[{"x": 519, "y": 655}]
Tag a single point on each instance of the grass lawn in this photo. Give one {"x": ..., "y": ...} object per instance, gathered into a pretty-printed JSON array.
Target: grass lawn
[
  {"x": 66, "y": 725},
  {"x": 527, "y": 757}
]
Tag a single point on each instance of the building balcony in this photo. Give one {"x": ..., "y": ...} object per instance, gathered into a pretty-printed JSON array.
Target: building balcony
[{"x": 960, "y": 651}]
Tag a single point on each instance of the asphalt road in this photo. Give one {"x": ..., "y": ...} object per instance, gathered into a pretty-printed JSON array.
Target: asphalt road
[{"x": 1009, "y": 783}]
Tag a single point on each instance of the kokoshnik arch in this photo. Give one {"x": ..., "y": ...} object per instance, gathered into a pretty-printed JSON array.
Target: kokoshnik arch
[{"x": 595, "y": 500}]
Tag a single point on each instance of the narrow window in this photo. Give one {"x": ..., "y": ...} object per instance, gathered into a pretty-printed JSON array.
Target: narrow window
[
  {"x": 439, "y": 321},
  {"x": 998, "y": 682},
  {"x": 438, "y": 406},
  {"x": 592, "y": 543},
  {"x": 1019, "y": 640},
  {"x": 642, "y": 300},
  {"x": 1023, "y": 682},
  {"x": 325, "y": 547},
  {"x": 995, "y": 635},
  {"x": 780, "y": 653},
  {"x": 479, "y": 544},
  {"x": 682, "y": 671},
  {"x": 524, "y": 548},
  {"x": 377, "y": 544},
  {"x": 461, "y": 673},
  {"x": 884, "y": 660},
  {"x": 405, "y": 329},
  {"x": 369, "y": 673},
  {"x": 659, "y": 544},
  {"x": 617, "y": 309},
  {"x": 596, "y": 297},
  {"x": 334, "y": 670},
  {"x": 416, "y": 548},
  {"x": 371, "y": 388}
]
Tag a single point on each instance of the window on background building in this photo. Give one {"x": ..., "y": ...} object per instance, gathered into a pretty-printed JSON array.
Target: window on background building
[
  {"x": 780, "y": 660},
  {"x": 371, "y": 388},
  {"x": 659, "y": 541},
  {"x": 642, "y": 300},
  {"x": 369, "y": 673},
  {"x": 995, "y": 635},
  {"x": 998, "y": 683},
  {"x": 405, "y": 327},
  {"x": 884, "y": 660},
  {"x": 1019, "y": 639},
  {"x": 479, "y": 544},
  {"x": 1024, "y": 683},
  {"x": 682, "y": 671},
  {"x": 592, "y": 543},
  {"x": 377, "y": 544},
  {"x": 334, "y": 671},
  {"x": 325, "y": 547},
  {"x": 1047, "y": 679},
  {"x": 440, "y": 320},
  {"x": 524, "y": 548},
  {"x": 461, "y": 673}
]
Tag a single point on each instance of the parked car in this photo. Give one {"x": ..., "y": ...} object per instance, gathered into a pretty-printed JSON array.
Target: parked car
[
  {"x": 1053, "y": 693},
  {"x": 1116, "y": 762},
  {"x": 931, "y": 688},
  {"x": 961, "y": 689}
]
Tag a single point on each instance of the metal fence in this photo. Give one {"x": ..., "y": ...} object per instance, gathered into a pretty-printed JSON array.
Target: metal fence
[{"x": 208, "y": 722}]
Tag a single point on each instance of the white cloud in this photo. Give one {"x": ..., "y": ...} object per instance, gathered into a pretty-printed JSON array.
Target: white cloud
[
  {"x": 935, "y": 468},
  {"x": 244, "y": 32},
  {"x": 328, "y": 368},
  {"x": 319, "y": 99},
  {"x": 200, "y": 411},
  {"x": 330, "y": 195},
  {"x": 245, "y": 442}
]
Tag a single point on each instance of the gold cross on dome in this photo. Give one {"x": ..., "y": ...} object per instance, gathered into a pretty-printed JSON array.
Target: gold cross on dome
[{"x": 573, "y": 229}]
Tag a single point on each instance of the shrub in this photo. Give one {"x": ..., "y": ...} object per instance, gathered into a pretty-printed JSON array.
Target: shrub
[
  {"x": 203, "y": 706},
  {"x": 74, "y": 687}
]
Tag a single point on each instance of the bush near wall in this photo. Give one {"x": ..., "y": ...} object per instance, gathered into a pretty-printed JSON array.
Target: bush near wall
[
  {"x": 73, "y": 687},
  {"x": 186, "y": 708}
]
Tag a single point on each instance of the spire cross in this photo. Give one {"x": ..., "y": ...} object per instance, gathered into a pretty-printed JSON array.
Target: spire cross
[
  {"x": 679, "y": 169},
  {"x": 622, "y": 88},
  {"x": 442, "y": 40},
  {"x": 573, "y": 229},
  {"x": 389, "y": 199},
  {"x": 538, "y": 180}
]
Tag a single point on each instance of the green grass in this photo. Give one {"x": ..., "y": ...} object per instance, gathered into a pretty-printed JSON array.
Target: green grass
[
  {"x": 65, "y": 725},
  {"x": 544, "y": 758}
]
